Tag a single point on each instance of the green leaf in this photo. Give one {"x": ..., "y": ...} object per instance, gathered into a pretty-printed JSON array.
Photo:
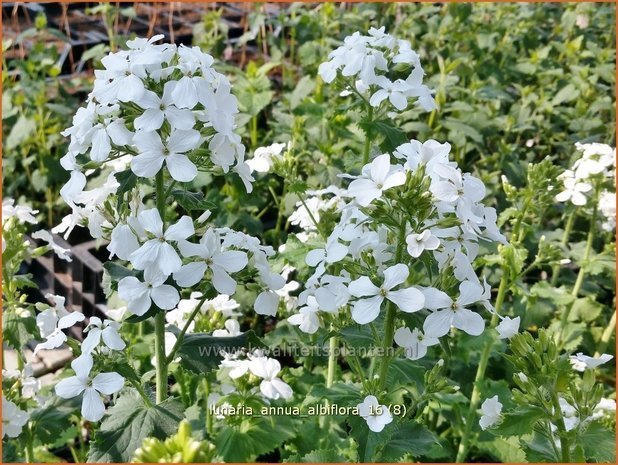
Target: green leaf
[
  {"x": 599, "y": 443},
  {"x": 519, "y": 421},
  {"x": 303, "y": 88},
  {"x": 367, "y": 441},
  {"x": 358, "y": 336},
  {"x": 129, "y": 422},
  {"x": 117, "y": 272},
  {"x": 539, "y": 449},
  {"x": 17, "y": 331},
  {"x": 53, "y": 418},
  {"x": 127, "y": 180},
  {"x": 407, "y": 438},
  {"x": 393, "y": 136},
  {"x": 566, "y": 94},
  {"x": 252, "y": 437},
  {"x": 191, "y": 201},
  {"x": 200, "y": 352},
  {"x": 506, "y": 450},
  {"x": 23, "y": 128},
  {"x": 323, "y": 456}
]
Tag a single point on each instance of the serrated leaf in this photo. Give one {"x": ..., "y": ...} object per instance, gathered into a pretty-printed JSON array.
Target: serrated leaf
[
  {"x": 393, "y": 136},
  {"x": 191, "y": 201},
  {"x": 599, "y": 443},
  {"x": 252, "y": 437},
  {"x": 519, "y": 421},
  {"x": 128, "y": 423},
  {"x": 127, "y": 180},
  {"x": 407, "y": 437},
  {"x": 53, "y": 418}
]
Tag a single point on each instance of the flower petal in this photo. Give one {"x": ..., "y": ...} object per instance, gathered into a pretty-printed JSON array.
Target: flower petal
[
  {"x": 108, "y": 383},
  {"x": 367, "y": 310},
  {"x": 165, "y": 296},
  {"x": 93, "y": 407}
]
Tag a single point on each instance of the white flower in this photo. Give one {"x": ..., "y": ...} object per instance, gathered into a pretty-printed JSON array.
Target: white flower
[
  {"x": 160, "y": 108},
  {"x": 141, "y": 295},
  {"x": 24, "y": 214},
  {"x": 153, "y": 153},
  {"x": 417, "y": 243},
  {"x": 106, "y": 330},
  {"x": 449, "y": 313},
  {"x": 57, "y": 317},
  {"x": 13, "y": 419},
  {"x": 307, "y": 319},
  {"x": 93, "y": 407},
  {"x": 53, "y": 341},
  {"x": 236, "y": 367},
  {"x": 366, "y": 310},
  {"x": 157, "y": 252},
  {"x": 415, "y": 342},
  {"x": 271, "y": 386},
  {"x": 395, "y": 92},
  {"x": 232, "y": 328},
  {"x": 123, "y": 242},
  {"x": 574, "y": 191},
  {"x": 264, "y": 158},
  {"x": 61, "y": 252},
  {"x": 491, "y": 408},
  {"x": 580, "y": 361},
  {"x": 508, "y": 327},
  {"x": 377, "y": 416},
  {"x": 267, "y": 303},
  {"x": 377, "y": 177},
  {"x": 209, "y": 255}
]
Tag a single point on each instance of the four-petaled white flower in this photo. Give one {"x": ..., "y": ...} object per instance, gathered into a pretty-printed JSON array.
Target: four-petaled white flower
[
  {"x": 574, "y": 191},
  {"x": 449, "y": 313},
  {"x": 13, "y": 419},
  {"x": 508, "y": 327},
  {"x": 366, "y": 310},
  {"x": 271, "y": 386},
  {"x": 580, "y": 361},
  {"x": 161, "y": 108},
  {"x": 414, "y": 342},
  {"x": 141, "y": 295},
  {"x": 106, "y": 330},
  {"x": 56, "y": 317},
  {"x": 394, "y": 91},
  {"x": 153, "y": 153},
  {"x": 417, "y": 243},
  {"x": 210, "y": 256},
  {"x": 377, "y": 416},
  {"x": 93, "y": 407},
  {"x": 158, "y": 252},
  {"x": 491, "y": 408},
  {"x": 377, "y": 177},
  {"x": 307, "y": 318}
]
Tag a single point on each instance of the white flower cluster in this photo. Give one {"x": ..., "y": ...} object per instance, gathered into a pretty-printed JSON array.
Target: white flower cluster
[
  {"x": 154, "y": 105},
  {"x": 237, "y": 365},
  {"x": 456, "y": 200},
  {"x": 597, "y": 161},
  {"x": 162, "y": 253},
  {"x": 369, "y": 60}
]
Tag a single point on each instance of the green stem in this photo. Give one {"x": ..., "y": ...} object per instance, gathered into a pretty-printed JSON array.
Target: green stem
[
  {"x": 464, "y": 445},
  {"x": 607, "y": 335},
  {"x": 332, "y": 361},
  {"x": 159, "y": 319},
  {"x": 555, "y": 272},
  {"x": 391, "y": 312},
  {"x": 367, "y": 138},
  {"x": 29, "y": 445},
  {"x": 184, "y": 330},
  {"x": 582, "y": 269},
  {"x": 565, "y": 443},
  {"x": 254, "y": 131}
]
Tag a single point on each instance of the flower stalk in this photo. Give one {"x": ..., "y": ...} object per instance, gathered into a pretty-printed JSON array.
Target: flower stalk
[{"x": 159, "y": 319}]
